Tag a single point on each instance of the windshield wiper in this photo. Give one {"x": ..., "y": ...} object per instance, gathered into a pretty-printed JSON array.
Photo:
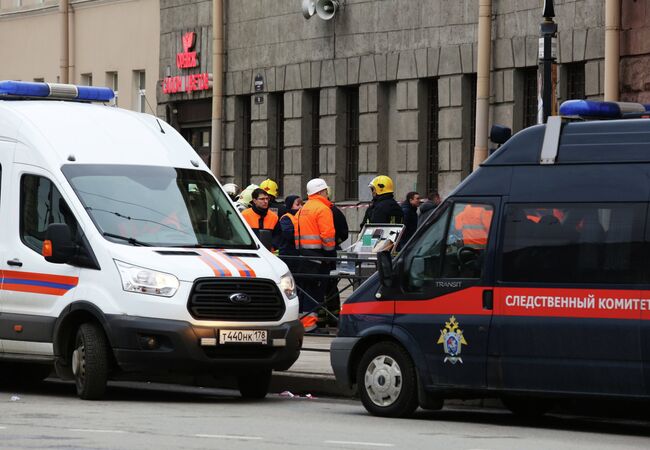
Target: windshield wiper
[{"x": 130, "y": 240}]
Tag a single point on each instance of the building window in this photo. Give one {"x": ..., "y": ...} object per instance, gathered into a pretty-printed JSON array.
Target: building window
[
  {"x": 243, "y": 140},
  {"x": 432, "y": 136},
  {"x": 112, "y": 82},
  {"x": 87, "y": 79},
  {"x": 351, "y": 143},
  {"x": 315, "y": 133},
  {"x": 39, "y": 80},
  {"x": 140, "y": 90},
  {"x": 575, "y": 81},
  {"x": 530, "y": 101},
  {"x": 468, "y": 88},
  {"x": 276, "y": 102}
]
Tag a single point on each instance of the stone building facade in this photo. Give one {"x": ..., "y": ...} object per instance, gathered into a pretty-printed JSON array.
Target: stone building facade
[
  {"x": 112, "y": 43},
  {"x": 386, "y": 87}
]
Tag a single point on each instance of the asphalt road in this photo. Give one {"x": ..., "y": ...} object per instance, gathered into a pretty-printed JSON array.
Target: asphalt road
[{"x": 153, "y": 416}]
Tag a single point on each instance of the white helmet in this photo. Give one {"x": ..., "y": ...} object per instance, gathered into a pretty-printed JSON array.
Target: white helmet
[
  {"x": 232, "y": 190},
  {"x": 316, "y": 185}
]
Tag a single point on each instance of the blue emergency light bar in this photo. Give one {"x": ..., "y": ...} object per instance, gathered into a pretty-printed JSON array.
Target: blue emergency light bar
[
  {"x": 601, "y": 110},
  {"x": 13, "y": 89}
]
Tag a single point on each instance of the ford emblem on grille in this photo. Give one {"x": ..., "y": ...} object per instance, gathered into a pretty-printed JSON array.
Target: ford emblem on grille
[{"x": 240, "y": 298}]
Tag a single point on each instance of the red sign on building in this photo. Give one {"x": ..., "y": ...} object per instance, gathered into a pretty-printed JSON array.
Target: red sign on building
[{"x": 187, "y": 59}]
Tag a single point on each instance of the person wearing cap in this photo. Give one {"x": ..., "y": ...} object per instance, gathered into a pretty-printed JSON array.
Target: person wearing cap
[
  {"x": 260, "y": 217},
  {"x": 384, "y": 208},
  {"x": 286, "y": 245},
  {"x": 271, "y": 188},
  {"x": 315, "y": 237}
]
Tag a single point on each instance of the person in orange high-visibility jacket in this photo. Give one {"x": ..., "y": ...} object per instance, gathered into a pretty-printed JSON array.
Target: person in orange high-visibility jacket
[
  {"x": 473, "y": 222},
  {"x": 260, "y": 217},
  {"x": 315, "y": 237}
]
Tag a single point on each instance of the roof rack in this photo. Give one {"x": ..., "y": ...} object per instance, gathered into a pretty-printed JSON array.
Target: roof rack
[{"x": 54, "y": 91}]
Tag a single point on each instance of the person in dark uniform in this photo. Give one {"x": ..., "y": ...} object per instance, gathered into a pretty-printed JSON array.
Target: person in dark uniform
[
  {"x": 384, "y": 208},
  {"x": 287, "y": 246},
  {"x": 426, "y": 208},
  {"x": 410, "y": 210}
]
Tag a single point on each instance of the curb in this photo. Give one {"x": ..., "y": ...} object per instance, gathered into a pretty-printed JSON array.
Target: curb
[{"x": 308, "y": 383}]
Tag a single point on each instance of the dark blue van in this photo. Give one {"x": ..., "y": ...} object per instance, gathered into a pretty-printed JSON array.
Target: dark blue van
[{"x": 530, "y": 283}]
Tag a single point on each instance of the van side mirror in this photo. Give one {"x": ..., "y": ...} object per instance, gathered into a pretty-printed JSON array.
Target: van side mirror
[
  {"x": 266, "y": 237},
  {"x": 58, "y": 246},
  {"x": 500, "y": 134},
  {"x": 385, "y": 268}
]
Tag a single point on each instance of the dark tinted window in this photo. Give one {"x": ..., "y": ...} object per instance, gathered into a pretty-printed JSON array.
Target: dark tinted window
[
  {"x": 40, "y": 205},
  {"x": 574, "y": 243}
]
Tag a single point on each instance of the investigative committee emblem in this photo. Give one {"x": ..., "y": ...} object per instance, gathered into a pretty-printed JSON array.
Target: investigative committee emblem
[{"x": 452, "y": 340}]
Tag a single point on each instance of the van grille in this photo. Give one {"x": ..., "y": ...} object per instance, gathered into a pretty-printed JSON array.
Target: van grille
[{"x": 209, "y": 300}]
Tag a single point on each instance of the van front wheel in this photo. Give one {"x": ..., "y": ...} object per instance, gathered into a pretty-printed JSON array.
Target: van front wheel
[
  {"x": 90, "y": 361},
  {"x": 387, "y": 381}
]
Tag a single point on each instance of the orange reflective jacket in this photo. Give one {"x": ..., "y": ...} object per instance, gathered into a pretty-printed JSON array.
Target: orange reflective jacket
[
  {"x": 314, "y": 227},
  {"x": 255, "y": 220},
  {"x": 474, "y": 224}
]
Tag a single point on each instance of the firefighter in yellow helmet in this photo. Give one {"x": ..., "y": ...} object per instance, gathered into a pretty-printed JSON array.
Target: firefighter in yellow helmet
[
  {"x": 271, "y": 188},
  {"x": 384, "y": 208}
]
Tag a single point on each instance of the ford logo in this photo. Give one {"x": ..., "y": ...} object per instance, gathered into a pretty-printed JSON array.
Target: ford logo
[{"x": 240, "y": 298}]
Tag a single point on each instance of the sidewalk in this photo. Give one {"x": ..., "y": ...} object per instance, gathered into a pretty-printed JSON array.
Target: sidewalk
[{"x": 312, "y": 373}]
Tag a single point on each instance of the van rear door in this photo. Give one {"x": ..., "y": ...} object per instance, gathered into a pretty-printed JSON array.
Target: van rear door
[{"x": 446, "y": 298}]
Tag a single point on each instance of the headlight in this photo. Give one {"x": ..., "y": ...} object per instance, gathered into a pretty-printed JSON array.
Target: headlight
[
  {"x": 288, "y": 286},
  {"x": 146, "y": 281}
]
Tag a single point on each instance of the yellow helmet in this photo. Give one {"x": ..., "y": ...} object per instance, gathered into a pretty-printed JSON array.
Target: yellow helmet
[
  {"x": 382, "y": 184},
  {"x": 270, "y": 186}
]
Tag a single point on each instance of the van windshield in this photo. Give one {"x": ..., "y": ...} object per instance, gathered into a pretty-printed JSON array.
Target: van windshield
[{"x": 158, "y": 206}]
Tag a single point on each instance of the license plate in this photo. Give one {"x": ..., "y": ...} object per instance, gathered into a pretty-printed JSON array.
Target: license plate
[{"x": 243, "y": 336}]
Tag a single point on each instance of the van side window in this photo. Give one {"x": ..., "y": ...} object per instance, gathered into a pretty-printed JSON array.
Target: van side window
[
  {"x": 574, "y": 243},
  {"x": 40, "y": 205},
  {"x": 452, "y": 247}
]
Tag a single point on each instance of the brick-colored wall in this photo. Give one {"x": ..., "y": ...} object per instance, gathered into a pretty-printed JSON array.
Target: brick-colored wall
[{"x": 635, "y": 51}]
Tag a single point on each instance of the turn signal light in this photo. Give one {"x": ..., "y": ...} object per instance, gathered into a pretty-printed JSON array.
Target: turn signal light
[{"x": 47, "y": 248}]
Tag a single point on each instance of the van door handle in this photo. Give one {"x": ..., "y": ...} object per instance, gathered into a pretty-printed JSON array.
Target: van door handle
[
  {"x": 15, "y": 262},
  {"x": 488, "y": 299}
]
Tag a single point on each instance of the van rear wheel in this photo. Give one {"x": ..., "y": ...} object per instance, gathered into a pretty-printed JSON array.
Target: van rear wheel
[
  {"x": 90, "y": 361},
  {"x": 387, "y": 381}
]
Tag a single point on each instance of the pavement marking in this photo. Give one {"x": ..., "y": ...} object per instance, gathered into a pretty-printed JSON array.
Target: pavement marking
[
  {"x": 88, "y": 430},
  {"x": 368, "y": 444},
  {"x": 229, "y": 436}
]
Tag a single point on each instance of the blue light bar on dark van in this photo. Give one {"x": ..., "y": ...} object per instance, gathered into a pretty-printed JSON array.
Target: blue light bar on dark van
[
  {"x": 588, "y": 108},
  {"x": 55, "y": 91}
]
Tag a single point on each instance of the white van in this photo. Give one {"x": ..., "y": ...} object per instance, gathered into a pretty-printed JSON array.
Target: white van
[{"x": 120, "y": 252}]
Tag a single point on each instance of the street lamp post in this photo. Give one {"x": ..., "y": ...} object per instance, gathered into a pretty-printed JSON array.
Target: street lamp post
[{"x": 548, "y": 32}]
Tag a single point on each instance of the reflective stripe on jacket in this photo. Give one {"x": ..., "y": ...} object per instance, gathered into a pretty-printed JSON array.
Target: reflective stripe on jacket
[
  {"x": 255, "y": 221},
  {"x": 314, "y": 227},
  {"x": 474, "y": 224}
]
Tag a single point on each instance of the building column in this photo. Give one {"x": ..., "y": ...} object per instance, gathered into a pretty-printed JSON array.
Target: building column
[
  {"x": 227, "y": 174},
  {"x": 450, "y": 132},
  {"x": 403, "y": 161},
  {"x": 373, "y": 136},
  {"x": 296, "y": 146},
  {"x": 332, "y": 140},
  {"x": 259, "y": 138}
]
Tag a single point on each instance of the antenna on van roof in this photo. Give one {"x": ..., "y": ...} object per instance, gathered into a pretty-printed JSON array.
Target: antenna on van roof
[{"x": 153, "y": 113}]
